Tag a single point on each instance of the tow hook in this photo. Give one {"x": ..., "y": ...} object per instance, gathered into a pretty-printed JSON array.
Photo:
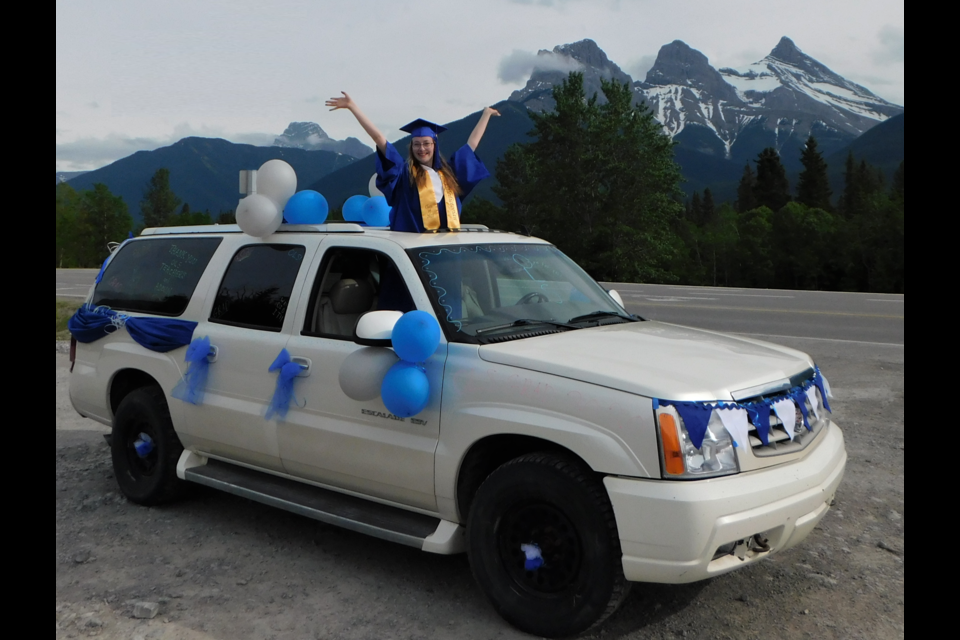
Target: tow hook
[{"x": 759, "y": 543}]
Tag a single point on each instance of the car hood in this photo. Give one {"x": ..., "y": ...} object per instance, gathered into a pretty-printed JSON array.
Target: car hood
[{"x": 654, "y": 359}]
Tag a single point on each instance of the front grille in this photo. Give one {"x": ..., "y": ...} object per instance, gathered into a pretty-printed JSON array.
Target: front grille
[{"x": 779, "y": 439}]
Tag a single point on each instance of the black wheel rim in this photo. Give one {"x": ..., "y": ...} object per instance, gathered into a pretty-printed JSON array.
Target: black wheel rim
[
  {"x": 140, "y": 466},
  {"x": 547, "y": 527}
]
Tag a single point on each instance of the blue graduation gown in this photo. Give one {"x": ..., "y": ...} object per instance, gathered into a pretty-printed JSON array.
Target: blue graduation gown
[{"x": 393, "y": 180}]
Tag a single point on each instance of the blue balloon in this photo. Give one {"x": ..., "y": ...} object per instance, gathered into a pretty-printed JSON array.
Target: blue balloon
[
  {"x": 376, "y": 212},
  {"x": 353, "y": 208},
  {"x": 306, "y": 207},
  {"x": 405, "y": 389},
  {"x": 416, "y": 336}
]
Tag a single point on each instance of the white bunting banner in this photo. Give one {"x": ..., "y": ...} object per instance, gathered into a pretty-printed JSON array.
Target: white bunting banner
[
  {"x": 786, "y": 410},
  {"x": 735, "y": 421}
]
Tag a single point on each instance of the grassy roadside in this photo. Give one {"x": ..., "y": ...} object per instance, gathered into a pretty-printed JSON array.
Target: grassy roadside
[{"x": 65, "y": 309}]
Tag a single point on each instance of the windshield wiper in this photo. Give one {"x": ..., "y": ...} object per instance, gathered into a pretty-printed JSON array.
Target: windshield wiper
[
  {"x": 522, "y": 322},
  {"x": 597, "y": 315}
]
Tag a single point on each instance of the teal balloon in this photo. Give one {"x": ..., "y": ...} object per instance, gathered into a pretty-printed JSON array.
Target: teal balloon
[
  {"x": 376, "y": 212},
  {"x": 416, "y": 336},
  {"x": 353, "y": 208},
  {"x": 306, "y": 207},
  {"x": 405, "y": 390}
]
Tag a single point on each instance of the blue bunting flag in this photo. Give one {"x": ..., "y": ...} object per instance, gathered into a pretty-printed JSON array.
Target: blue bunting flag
[{"x": 696, "y": 415}]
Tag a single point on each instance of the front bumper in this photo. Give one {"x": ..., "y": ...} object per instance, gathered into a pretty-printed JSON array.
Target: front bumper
[{"x": 670, "y": 531}]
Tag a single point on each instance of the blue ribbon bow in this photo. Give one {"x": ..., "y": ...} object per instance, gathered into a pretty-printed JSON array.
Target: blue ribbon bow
[
  {"x": 286, "y": 376},
  {"x": 191, "y": 386}
]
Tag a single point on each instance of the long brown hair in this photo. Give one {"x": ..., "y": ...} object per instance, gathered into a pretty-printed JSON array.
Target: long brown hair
[{"x": 420, "y": 177}]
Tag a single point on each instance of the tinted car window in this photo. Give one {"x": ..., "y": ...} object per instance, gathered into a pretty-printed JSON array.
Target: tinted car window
[
  {"x": 155, "y": 275},
  {"x": 256, "y": 287}
]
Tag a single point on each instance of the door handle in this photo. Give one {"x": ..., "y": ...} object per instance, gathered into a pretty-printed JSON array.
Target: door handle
[
  {"x": 212, "y": 354},
  {"x": 305, "y": 365}
]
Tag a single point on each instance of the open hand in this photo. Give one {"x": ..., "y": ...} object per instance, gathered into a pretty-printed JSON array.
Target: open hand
[{"x": 340, "y": 103}]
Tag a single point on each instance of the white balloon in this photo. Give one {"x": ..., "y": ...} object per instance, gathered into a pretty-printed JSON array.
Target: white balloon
[
  {"x": 372, "y": 187},
  {"x": 277, "y": 180},
  {"x": 258, "y": 215},
  {"x": 362, "y": 372}
]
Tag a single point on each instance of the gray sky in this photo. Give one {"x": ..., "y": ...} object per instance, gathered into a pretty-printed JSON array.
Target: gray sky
[{"x": 133, "y": 75}]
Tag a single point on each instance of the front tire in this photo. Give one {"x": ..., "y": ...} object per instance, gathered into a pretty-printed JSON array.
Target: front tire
[
  {"x": 554, "y": 508},
  {"x": 145, "y": 448}
]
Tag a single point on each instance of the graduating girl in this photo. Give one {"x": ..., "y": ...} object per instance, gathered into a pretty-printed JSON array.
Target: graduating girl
[{"x": 424, "y": 190}]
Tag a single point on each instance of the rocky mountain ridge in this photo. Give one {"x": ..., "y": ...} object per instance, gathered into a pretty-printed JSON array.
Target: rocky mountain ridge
[{"x": 730, "y": 113}]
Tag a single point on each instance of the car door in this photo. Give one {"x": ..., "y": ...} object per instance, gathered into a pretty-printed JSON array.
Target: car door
[
  {"x": 345, "y": 442},
  {"x": 249, "y": 317}
]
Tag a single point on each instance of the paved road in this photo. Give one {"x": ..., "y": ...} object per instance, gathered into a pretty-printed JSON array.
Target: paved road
[
  {"x": 74, "y": 283},
  {"x": 767, "y": 313},
  {"x": 824, "y": 315}
]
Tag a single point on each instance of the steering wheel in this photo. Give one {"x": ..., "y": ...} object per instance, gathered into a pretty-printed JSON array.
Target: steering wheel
[{"x": 533, "y": 295}]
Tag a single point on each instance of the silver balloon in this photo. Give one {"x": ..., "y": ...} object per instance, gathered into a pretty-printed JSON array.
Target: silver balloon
[
  {"x": 362, "y": 372},
  {"x": 277, "y": 180},
  {"x": 258, "y": 215}
]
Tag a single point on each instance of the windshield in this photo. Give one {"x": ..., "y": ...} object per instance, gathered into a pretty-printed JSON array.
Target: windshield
[{"x": 487, "y": 289}]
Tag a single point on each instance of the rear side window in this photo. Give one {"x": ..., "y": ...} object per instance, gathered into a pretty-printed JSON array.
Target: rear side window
[
  {"x": 256, "y": 288},
  {"x": 155, "y": 275}
]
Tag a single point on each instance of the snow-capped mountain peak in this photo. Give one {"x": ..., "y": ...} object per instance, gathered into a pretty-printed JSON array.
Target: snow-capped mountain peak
[
  {"x": 309, "y": 135},
  {"x": 788, "y": 67},
  {"x": 732, "y": 113}
]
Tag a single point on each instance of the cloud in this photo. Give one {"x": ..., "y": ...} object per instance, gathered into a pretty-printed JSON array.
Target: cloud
[
  {"x": 517, "y": 66},
  {"x": 891, "y": 45},
  {"x": 638, "y": 68}
]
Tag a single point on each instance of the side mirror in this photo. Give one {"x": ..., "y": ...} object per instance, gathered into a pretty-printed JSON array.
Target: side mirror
[
  {"x": 375, "y": 328},
  {"x": 616, "y": 297}
]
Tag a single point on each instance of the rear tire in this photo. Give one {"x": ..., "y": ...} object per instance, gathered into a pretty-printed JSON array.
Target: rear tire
[
  {"x": 560, "y": 507},
  {"x": 142, "y": 421}
]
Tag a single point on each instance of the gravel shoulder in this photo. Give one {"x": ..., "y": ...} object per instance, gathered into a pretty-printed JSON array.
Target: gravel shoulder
[{"x": 220, "y": 567}]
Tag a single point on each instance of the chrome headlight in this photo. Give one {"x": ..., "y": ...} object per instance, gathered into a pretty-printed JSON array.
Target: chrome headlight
[{"x": 679, "y": 459}]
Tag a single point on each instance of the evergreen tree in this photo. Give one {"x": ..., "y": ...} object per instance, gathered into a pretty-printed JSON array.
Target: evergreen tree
[
  {"x": 708, "y": 210},
  {"x": 745, "y": 198},
  {"x": 813, "y": 188},
  {"x": 852, "y": 200},
  {"x": 696, "y": 209},
  {"x": 772, "y": 189},
  {"x": 159, "y": 202},
  {"x": 599, "y": 181},
  {"x": 68, "y": 232},
  {"x": 103, "y": 218},
  {"x": 896, "y": 192}
]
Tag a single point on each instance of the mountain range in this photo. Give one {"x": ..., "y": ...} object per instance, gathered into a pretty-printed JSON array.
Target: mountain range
[{"x": 720, "y": 119}]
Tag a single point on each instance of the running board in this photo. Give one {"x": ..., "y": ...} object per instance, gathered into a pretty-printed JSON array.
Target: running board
[{"x": 330, "y": 507}]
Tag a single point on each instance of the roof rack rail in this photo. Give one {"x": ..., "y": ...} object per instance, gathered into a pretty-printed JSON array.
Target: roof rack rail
[{"x": 330, "y": 227}]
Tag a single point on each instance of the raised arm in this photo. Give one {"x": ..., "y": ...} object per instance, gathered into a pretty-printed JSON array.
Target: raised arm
[
  {"x": 346, "y": 102},
  {"x": 478, "y": 130}
]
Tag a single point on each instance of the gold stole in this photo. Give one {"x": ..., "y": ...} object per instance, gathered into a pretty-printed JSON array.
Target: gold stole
[{"x": 429, "y": 208}]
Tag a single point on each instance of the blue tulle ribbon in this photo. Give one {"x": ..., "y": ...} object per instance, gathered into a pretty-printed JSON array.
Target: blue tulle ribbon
[
  {"x": 287, "y": 372},
  {"x": 91, "y": 323},
  {"x": 194, "y": 382}
]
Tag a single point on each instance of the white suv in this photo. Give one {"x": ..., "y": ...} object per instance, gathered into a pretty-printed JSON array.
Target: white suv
[{"x": 567, "y": 446}]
